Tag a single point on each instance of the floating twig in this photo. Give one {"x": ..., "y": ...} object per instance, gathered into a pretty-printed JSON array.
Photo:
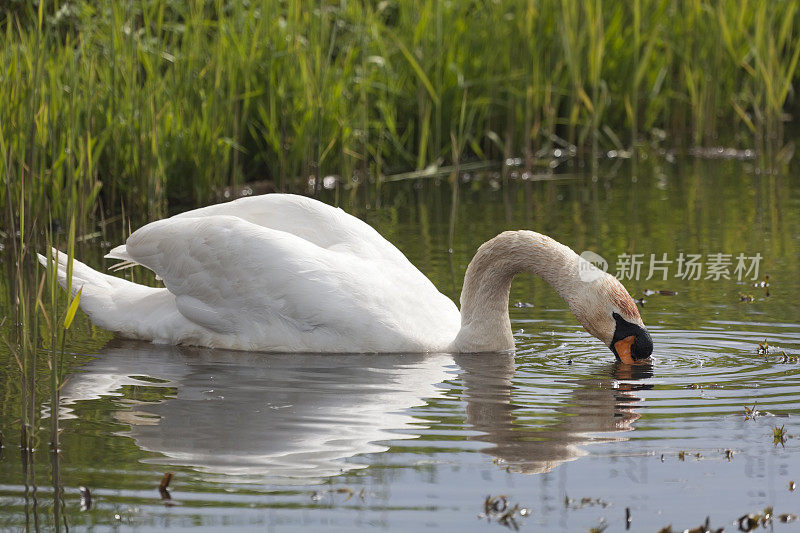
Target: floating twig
[
  {"x": 729, "y": 455},
  {"x": 163, "y": 486},
  {"x": 86, "y": 498}
]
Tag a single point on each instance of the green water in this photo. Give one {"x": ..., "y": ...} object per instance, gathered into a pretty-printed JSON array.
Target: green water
[{"x": 401, "y": 442}]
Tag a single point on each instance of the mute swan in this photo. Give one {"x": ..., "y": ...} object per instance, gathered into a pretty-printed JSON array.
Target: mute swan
[{"x": 286, "y": 273}]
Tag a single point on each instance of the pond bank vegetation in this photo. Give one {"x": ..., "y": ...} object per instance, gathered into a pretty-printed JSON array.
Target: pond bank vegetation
[{"x": 116, "y": 106}]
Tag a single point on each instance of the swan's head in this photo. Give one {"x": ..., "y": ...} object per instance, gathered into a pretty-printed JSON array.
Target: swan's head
[{"x": 609, "y": 313}]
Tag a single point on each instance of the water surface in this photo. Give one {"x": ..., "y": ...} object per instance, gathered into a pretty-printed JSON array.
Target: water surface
[{"x": 408, "y": 441}]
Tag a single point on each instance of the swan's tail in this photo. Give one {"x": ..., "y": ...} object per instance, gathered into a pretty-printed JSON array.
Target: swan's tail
[
  {"x": 94, "y": 282},
  {"x": 112, "y": 303}
]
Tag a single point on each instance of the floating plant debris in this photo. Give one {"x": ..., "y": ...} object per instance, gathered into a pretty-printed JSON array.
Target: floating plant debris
[
  {"x": 705, "y": 527},
  {"x": 683, "y": 454},
  {"x": 495, "y": 504},
  {"x": 599, "y": 529},
  {"x": 163, "y": 486},
  {"x": 662, "y": 292},
  {"x": 584, "y": 502},
  {"x": 763, "y": 285},
  {"x": 750, "y": 413},
  {"x": 165, "y": 481},
  {"x": 763, "y": 347},
  {"x": 779, "y": 435},
  {"x": 318, "y": 494},
  {"x": 86, "y": 498},
  {"x": 729, "y": 455},
  {"x": 746, "y": 297},
  {"x": 345, "y": 490},
  {"x": 751, "y": 521},
  {"x": 497, "y": 508}
]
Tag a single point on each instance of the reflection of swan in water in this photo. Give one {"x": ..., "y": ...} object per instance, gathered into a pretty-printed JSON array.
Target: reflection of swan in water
[
  {"x": 264, "y": 415},
  {"x": 280, "y": 417},
  {"x": 596, "y": 404}
]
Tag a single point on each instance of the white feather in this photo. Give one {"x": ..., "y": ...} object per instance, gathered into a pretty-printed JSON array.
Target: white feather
[
  {"x": 287, "y": 273},
  {"x": 316, "y": 280}
]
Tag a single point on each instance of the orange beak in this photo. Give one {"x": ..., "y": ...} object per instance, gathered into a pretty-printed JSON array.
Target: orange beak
[{"x": 623, "y": 348}]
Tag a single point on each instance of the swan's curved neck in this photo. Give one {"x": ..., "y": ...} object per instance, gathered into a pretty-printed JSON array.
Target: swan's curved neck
[{"x": 485, "y": 325}]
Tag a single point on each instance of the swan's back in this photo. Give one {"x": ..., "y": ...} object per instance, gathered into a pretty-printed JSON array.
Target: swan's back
[
  {"x": 278, "y": 273},
  {"x": 313, "y": 221}
]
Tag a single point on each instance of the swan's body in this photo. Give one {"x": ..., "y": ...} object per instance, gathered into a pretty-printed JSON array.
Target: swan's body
[{"x": 288, "y": 273}]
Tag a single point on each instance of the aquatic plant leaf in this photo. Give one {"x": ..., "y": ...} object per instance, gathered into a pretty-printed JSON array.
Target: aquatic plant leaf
[{"x": 73, "y": 308}]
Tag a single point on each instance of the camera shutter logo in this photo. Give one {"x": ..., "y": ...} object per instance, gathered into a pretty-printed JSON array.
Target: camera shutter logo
[{"x": 591, "y": 266}]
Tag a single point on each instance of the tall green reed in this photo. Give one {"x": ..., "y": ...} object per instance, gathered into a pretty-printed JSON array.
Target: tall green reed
[
  {"x": 48, "y": 181},
  {"x": 177, "y": 99}
]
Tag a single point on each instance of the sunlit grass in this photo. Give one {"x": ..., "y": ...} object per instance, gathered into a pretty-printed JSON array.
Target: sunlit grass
[{"x": 134, "y": 103}]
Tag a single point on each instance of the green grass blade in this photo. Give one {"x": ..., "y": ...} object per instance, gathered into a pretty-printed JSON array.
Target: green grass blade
[{"x": 72, "y": 309}]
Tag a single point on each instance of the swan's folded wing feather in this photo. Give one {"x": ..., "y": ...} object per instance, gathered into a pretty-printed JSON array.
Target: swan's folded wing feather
[
  {"x": 232, "y": 276},
  {"x": 314, "y": 221}
]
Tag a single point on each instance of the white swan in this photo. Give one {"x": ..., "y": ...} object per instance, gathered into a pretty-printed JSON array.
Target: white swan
[{"x": 281, "y": 272}]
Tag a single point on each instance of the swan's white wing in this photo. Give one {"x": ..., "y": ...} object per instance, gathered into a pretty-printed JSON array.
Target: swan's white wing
[
  {"x": 309, "y": 219},
  {"x": 255, "y": 287},
  {"x": 312, "y": 220}
]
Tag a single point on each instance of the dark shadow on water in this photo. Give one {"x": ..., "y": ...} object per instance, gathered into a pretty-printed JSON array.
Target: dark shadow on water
[{"x": 288, "y": 418}]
